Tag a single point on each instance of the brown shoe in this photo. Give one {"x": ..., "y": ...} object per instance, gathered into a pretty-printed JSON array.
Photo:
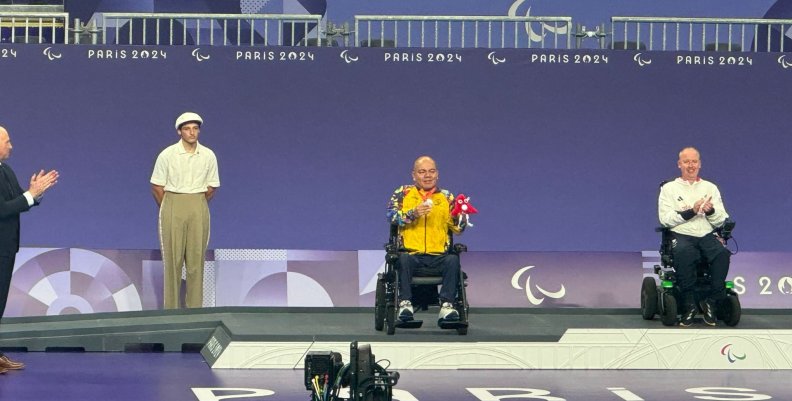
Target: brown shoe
[
  {"x": 3, "y": 370},
  {"x": 8, "y": 364}
]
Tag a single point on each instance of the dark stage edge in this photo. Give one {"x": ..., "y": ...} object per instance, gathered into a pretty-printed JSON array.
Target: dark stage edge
[{"x": 188, "y": 330}]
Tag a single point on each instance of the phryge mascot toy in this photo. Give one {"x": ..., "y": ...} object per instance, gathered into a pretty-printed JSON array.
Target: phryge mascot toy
[{"x": 462, "y": 206}]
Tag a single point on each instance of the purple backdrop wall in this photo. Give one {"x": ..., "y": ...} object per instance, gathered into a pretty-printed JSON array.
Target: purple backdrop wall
[{"x": 557, "y": 156}]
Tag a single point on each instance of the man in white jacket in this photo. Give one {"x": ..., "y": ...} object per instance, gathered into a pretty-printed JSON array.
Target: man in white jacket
[{"x": 692, "y": 208}]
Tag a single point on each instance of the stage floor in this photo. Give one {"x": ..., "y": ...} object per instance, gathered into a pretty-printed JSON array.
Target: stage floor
[
  {"x": 186, "y": 377},
  {"x": 176, "y": 376},
  {"x": 277, "y": 338},
  {"x": 175, "y": 329}
]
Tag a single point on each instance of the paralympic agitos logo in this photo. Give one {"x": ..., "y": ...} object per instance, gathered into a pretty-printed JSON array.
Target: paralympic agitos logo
[
  {"x": 731, "y": 355},
  {"x": 533, "y": 299}
]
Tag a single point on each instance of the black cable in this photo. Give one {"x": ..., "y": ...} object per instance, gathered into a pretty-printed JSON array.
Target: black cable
[
  {"x": 337, "y": 385},
  {"x": 736, "y": 246}
]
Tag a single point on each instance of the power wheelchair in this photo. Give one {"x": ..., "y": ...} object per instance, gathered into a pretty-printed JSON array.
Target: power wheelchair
[
  {"x": 665, "y": 299},
  {"x": 386, "y": 302}
]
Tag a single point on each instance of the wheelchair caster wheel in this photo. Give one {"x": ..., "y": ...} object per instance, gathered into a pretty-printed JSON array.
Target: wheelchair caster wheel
[
  {"x": 669, "y": 313},
  {"x": 648, "y": 298}
]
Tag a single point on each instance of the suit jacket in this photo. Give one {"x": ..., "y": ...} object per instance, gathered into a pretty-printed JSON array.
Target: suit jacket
[{"x": 12, "y": 203}]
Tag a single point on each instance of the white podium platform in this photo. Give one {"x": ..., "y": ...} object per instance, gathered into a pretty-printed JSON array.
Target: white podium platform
[{"x": 578, "y": 349}]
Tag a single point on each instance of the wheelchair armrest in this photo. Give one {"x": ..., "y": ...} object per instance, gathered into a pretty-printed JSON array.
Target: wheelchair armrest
[
  {"x": 665, "y": 246},
  {"x": 391, "y": 248},
  {"x": 725, "y": 231},
  {"x": 391, "y": 257}
]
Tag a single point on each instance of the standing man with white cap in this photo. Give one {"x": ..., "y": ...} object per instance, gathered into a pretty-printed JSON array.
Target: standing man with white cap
[{"x": 185, "y": 178}]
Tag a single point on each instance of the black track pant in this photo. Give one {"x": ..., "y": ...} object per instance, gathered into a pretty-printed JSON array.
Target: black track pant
[{"x": 687, "y": 251}]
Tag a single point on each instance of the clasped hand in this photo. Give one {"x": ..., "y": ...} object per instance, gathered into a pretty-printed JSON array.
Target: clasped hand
[
  {"x": 423, "y": 209},
  {"x": 703, "y": 205}
]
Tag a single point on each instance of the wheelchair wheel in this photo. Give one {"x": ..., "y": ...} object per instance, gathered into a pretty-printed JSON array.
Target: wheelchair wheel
[
  {"x": 648, "y": 298},
  {"x": 379, "y": 305},
  {"x": 462, "y": 331},
  {"x": 669, "y": 313},
  {"x": 731, "y": 310},
  {"x": 390, "y": 319}
]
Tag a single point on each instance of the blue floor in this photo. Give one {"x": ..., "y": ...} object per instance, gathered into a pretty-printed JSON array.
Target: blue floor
[{"x": 185, "y": 376}]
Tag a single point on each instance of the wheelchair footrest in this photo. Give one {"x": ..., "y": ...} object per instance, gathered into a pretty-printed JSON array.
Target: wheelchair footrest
[
  {"x": 412, "y": 324},
  {"x": 451, "y": 324}
]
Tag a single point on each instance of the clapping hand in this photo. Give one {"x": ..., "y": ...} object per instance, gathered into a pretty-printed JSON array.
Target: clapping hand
[
  {"x": 703, "y": 205},
  {"x": 41, "y": 182}
]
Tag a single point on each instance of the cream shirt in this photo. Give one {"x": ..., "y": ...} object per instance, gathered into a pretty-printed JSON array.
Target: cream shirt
[
  {"x": 186, "y": 173},
  {"x": 679, "y": 195}
]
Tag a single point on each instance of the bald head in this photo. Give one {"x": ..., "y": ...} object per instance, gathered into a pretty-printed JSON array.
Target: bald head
[
  {"x": 5, "y": 144},
  {"x": 422, "y": 160},
  {"x": 425, "y": 173},
  {"x": 691, "y": 151},
  {"x": 689, "y": 163}
]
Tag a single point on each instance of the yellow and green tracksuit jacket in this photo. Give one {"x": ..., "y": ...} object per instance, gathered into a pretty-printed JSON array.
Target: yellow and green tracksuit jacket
[{"x": 427, "y": 234}]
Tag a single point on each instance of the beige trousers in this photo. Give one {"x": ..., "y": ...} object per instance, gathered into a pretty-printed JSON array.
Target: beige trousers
[{"x": 184, "y": 236}]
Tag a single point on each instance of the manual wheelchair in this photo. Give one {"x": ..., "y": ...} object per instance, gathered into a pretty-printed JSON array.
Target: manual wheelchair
[
  {"x": 386, "y": 303},
  {"x": 665, "y": 299}
]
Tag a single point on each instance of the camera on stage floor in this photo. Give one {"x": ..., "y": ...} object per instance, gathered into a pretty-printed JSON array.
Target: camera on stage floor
[
  {"x": 326, "y": 375},
  {"x": 321, "y": 369}
]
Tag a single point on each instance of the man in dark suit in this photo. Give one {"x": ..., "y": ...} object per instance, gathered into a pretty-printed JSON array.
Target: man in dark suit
[{"x": 14, "y": 201}]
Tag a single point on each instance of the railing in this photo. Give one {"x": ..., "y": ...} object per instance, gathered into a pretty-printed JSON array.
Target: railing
[
  {"x": 649, "y": 33},
  {"x": 699, "y": 34},
  {"x": 462, "y": 31},
  {"x": 210, "y": 29},
  {"x": 35, "y": 27}
]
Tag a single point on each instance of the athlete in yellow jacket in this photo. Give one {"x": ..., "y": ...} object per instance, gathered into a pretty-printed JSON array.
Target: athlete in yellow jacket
[{"x": 423, "y": 213}]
